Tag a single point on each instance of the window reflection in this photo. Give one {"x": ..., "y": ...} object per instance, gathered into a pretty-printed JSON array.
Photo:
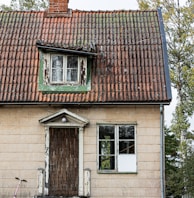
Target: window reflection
[
  {"x": 106, "y": 147},
  {"x": 126, "y": 147},
  {"x": 72, "y": 68},
  {"x": 106, "y": 132},
  {"x": 126, "y": 140},
  {"x": 107, "y": 162},
  {"x": 126, "y": 132},
  {"x": 57, "y": 68}
]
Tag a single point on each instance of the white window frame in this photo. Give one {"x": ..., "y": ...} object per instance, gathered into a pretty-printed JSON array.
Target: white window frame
[
  {"x": 64, "y": 81},
  {"x": 124, "y": 163}
]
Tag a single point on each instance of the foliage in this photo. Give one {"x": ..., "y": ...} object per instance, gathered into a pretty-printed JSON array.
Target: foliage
[
  {"x": 179, "y": 25},
  {"x": 189, "y": 174},
  {"x": 172, "y": 165},
  {"x": 26, "y": 5},
  {"x": 5, "y": 8},
  {"x": 179, "y": 172}
]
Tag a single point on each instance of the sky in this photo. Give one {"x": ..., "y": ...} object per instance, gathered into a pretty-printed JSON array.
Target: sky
[
  {"x": 97, "y": 4},
  {"x": 116, "y": 5}
]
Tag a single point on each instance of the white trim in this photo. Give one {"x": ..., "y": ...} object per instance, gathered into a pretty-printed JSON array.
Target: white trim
[
  {"x": 81, "y": 121},
  {"x": 81, "y": 157},
  {"x": 64, "y": 125},
  {"x": 87, "y": 182},
  {"x": 47, "y": 141},
  {"x": 131, "y": 159},
  {"x": 81, "y": 171},
  {"x": 76, "y": 122},
  {"x": 49, "y": 58},
  {"x": 41, "y": 181}
]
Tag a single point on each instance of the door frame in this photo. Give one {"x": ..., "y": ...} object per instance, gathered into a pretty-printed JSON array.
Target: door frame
[
  {"x": 81, "y": 171},
  {"x": 72, "y": 121}
]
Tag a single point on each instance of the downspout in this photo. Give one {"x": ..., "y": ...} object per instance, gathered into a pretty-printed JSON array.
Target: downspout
[{"x": 162, "y": 152}]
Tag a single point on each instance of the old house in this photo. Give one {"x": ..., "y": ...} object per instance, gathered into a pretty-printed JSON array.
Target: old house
[{"x": 82, "y": 97}]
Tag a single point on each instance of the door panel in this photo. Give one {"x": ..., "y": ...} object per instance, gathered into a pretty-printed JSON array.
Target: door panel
[{"x": 63, "y": 162}]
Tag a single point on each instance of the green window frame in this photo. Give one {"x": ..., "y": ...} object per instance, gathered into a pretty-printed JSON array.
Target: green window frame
[{"x": 62, "y": 74}]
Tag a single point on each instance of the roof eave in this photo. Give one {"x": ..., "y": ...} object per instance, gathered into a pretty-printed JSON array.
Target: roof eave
[
  {"x": 64, "y": 50},
  {"x": 87, "y": 103}
]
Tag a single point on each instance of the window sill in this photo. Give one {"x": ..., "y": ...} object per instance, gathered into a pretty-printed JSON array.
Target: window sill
[
  {"x": 63, "y": 88},
  {"x": 114, "y": 172}
]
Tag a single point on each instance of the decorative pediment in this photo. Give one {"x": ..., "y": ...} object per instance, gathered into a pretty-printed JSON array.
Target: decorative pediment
[{"x": 64, "y": 118}]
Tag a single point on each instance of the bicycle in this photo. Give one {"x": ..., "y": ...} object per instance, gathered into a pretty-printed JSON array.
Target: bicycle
[{"x": 18, "y": 186}]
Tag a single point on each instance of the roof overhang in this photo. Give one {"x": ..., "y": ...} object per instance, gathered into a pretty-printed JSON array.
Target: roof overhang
[{"x": 65, "y": 50}]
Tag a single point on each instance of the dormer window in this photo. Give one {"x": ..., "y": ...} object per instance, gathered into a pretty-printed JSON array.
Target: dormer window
[
  {"x": 66, "y": 69},
  {"x": 64, "y": 73}
]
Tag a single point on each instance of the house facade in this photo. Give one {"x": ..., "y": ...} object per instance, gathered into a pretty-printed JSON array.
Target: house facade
[{"x": 82, "y": 103}]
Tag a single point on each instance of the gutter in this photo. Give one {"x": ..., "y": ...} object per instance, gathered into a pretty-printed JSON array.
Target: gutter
[
  {"x": 165, "y": 54},
  {"x": 162, "y": 152},
  {"x": 86, "y": 103}
]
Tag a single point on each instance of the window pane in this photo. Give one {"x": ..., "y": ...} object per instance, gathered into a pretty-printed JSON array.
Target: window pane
[
  {"x": 106, "y": 132},
  {"x": 106, "y": 162},
  {"x": 126, "y": 132},
  {"x": 106, "y": 147},
  {"x": 72, "y": 68},
  {"x": 57, "y": 68},
  {"x": 127, "y": 163},
  {"x": 126, "y": 147}
]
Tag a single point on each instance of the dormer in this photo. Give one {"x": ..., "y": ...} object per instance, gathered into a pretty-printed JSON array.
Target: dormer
[{"x": 64, "y": 68}]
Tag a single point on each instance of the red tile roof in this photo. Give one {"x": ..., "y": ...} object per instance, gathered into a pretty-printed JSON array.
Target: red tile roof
[{"x": 131, "y": 66}]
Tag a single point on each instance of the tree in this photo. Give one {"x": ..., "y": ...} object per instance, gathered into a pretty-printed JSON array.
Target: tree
[
  {"x": 189, "y": 170},
  {"x": 171, "y": 164},
  {"x": 25, "y": 5},
  {"x": 179, "y": 25}
]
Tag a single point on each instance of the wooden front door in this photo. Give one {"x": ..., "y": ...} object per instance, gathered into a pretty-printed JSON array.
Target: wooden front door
[{"x": 63, "y": 162}]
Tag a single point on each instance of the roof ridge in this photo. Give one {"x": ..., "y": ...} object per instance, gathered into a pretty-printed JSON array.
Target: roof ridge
[
  {"x": 120, "y": 10},
  {"x": 77, "y": 10},
  {"x": 22, "y": 11}
]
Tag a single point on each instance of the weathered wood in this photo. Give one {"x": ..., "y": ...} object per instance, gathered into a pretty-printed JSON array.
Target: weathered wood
[{"x": 63, "y": 162}]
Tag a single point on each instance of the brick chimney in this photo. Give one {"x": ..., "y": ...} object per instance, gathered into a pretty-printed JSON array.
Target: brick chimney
[{"x": 58, "y": 7}]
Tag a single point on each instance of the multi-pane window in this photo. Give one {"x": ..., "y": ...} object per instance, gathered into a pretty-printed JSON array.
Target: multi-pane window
[
  {"x": 67, "y": 69},
  {"x": 117, "y": 148}
]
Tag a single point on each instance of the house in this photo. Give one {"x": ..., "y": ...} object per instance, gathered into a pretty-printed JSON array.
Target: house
[{"x": 82, "y": 97}]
